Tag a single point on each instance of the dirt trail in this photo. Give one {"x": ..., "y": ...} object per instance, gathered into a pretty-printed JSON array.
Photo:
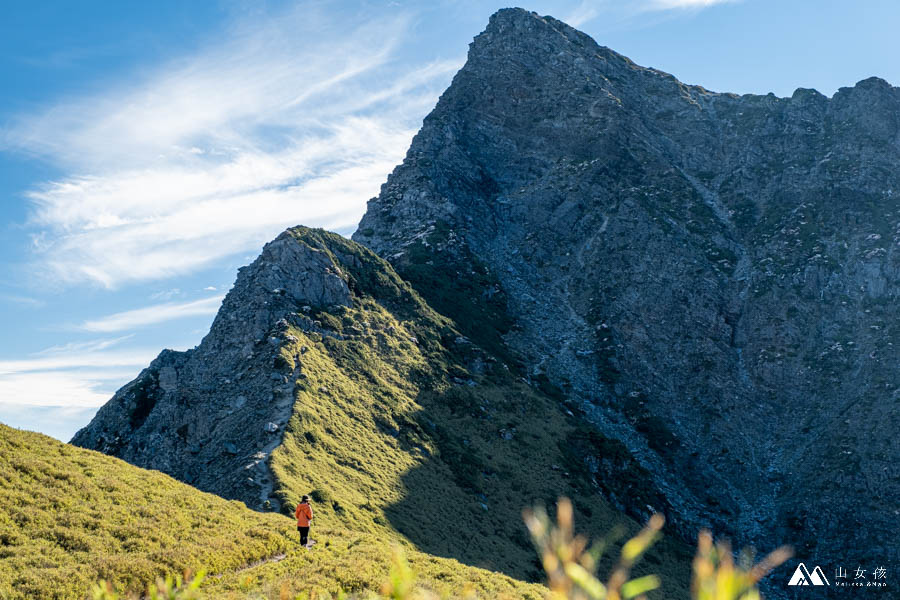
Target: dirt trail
[{"x": 275, "y": 558}]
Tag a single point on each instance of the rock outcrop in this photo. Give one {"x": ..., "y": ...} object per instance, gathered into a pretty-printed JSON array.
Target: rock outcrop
[
  {"x": 711, "y": 278},
  {"x": 212, "y": 415}
]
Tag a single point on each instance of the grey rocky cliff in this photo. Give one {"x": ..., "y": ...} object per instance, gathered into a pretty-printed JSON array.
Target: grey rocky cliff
[
  {"x": 710, "y": 278},
  {"x": 211, "y": 416}
]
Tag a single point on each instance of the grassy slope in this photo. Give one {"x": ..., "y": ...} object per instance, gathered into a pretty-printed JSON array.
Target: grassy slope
[
  {"x": 69, "y": 516},
  {"x": 390, "y": 442}
]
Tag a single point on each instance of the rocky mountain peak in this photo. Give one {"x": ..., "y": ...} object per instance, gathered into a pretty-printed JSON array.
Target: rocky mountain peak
[
  {"x": 691, "y": 268},
  {"x": 512, "y": 30},
  {"x": 326, "y": 374},
  {"x": 876, "y": 83},
  {"x": 212, "y": 415},
  {"x": 291, "y": 271}
]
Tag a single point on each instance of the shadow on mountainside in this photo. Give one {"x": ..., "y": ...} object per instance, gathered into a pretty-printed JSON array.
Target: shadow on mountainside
[{"x": 498, "y": 450}]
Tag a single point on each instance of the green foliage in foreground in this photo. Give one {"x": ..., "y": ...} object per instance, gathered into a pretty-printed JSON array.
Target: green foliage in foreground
[
  {"x": 570, "y": 566},
  {"x": 70, "y": 517}
]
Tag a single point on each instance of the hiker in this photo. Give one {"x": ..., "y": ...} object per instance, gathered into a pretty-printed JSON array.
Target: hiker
[{"x": 304, "y": 516}]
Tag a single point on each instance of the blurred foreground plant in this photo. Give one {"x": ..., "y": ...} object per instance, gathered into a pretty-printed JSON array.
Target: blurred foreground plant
[
  {"x": 170, "y": 588},
  {"x": 402, "y": 580},
  {"x": 717, "y": 577},
  {"x": 571, "y": 567},
  {"x": 402, "y": 584}
]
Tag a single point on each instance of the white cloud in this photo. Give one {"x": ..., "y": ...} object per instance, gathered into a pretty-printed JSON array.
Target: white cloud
[
  {"x": 83, "y": 347},
  {"x": 26, "y": 301},
  {"x": 682, "y": 4},
  {"x": 165, "y": 294},
  {"x": 75, "y": 375},
  {"x": 62, "y": 388},
  {"x": 151, "y": 315},
  {"x": 286, "y": 121},
  {"x": 76, "y": 360},
  {"x": 60, "y": 422},
  {"x": 587, "y": 10}
]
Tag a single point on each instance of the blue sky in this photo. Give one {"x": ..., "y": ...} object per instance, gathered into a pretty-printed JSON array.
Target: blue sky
[{"x": 147, "y": 150}]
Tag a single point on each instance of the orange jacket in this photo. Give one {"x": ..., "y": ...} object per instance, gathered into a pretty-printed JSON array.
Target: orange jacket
[{"x": 304, "y": 515}]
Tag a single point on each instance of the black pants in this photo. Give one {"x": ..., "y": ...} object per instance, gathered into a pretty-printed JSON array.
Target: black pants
[{"x": 304, "y": 534}]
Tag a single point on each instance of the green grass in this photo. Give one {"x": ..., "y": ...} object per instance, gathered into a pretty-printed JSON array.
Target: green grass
[
  {"x": 69, "y": 517},
  {"x": 454, "y": 284},
  {"x": 358, "y": 564}
]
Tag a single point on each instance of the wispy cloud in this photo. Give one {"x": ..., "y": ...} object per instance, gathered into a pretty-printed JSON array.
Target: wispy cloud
[
  {"x": 288, "y": 120},
  {"x": 588, "y": 10},
  {"x": 80, "y": 374},
  {"x": 72, "y": 360},
  {"x": 63, "y": 388},
  {"x": 682, "y": 4},
  {"x": 60, "y": 422},
  {"x": 83, "y": 347},
  {"x": 165, "y": 294},
  {"x": 151, "y": 315},
  {"x": 20, "y": 300}
]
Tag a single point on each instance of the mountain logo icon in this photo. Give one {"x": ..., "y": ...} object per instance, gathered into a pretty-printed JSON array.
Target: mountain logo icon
[{"x": 802, "y": 576}]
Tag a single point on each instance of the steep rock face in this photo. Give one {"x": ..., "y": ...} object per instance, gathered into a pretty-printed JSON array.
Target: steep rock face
[
  {"x": 211, "y": 416},
  {"x": 711, "y": 278}
]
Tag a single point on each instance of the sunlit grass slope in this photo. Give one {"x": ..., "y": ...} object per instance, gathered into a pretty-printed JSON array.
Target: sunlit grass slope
[
  {"x": 69, "y": 517},
  {"x": 356, "y": 562}
]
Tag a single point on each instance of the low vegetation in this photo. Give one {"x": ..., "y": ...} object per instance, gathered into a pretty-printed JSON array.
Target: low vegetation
[
  {"x": 70, "y": 517},
  {"x": 569, "y": 563}
]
